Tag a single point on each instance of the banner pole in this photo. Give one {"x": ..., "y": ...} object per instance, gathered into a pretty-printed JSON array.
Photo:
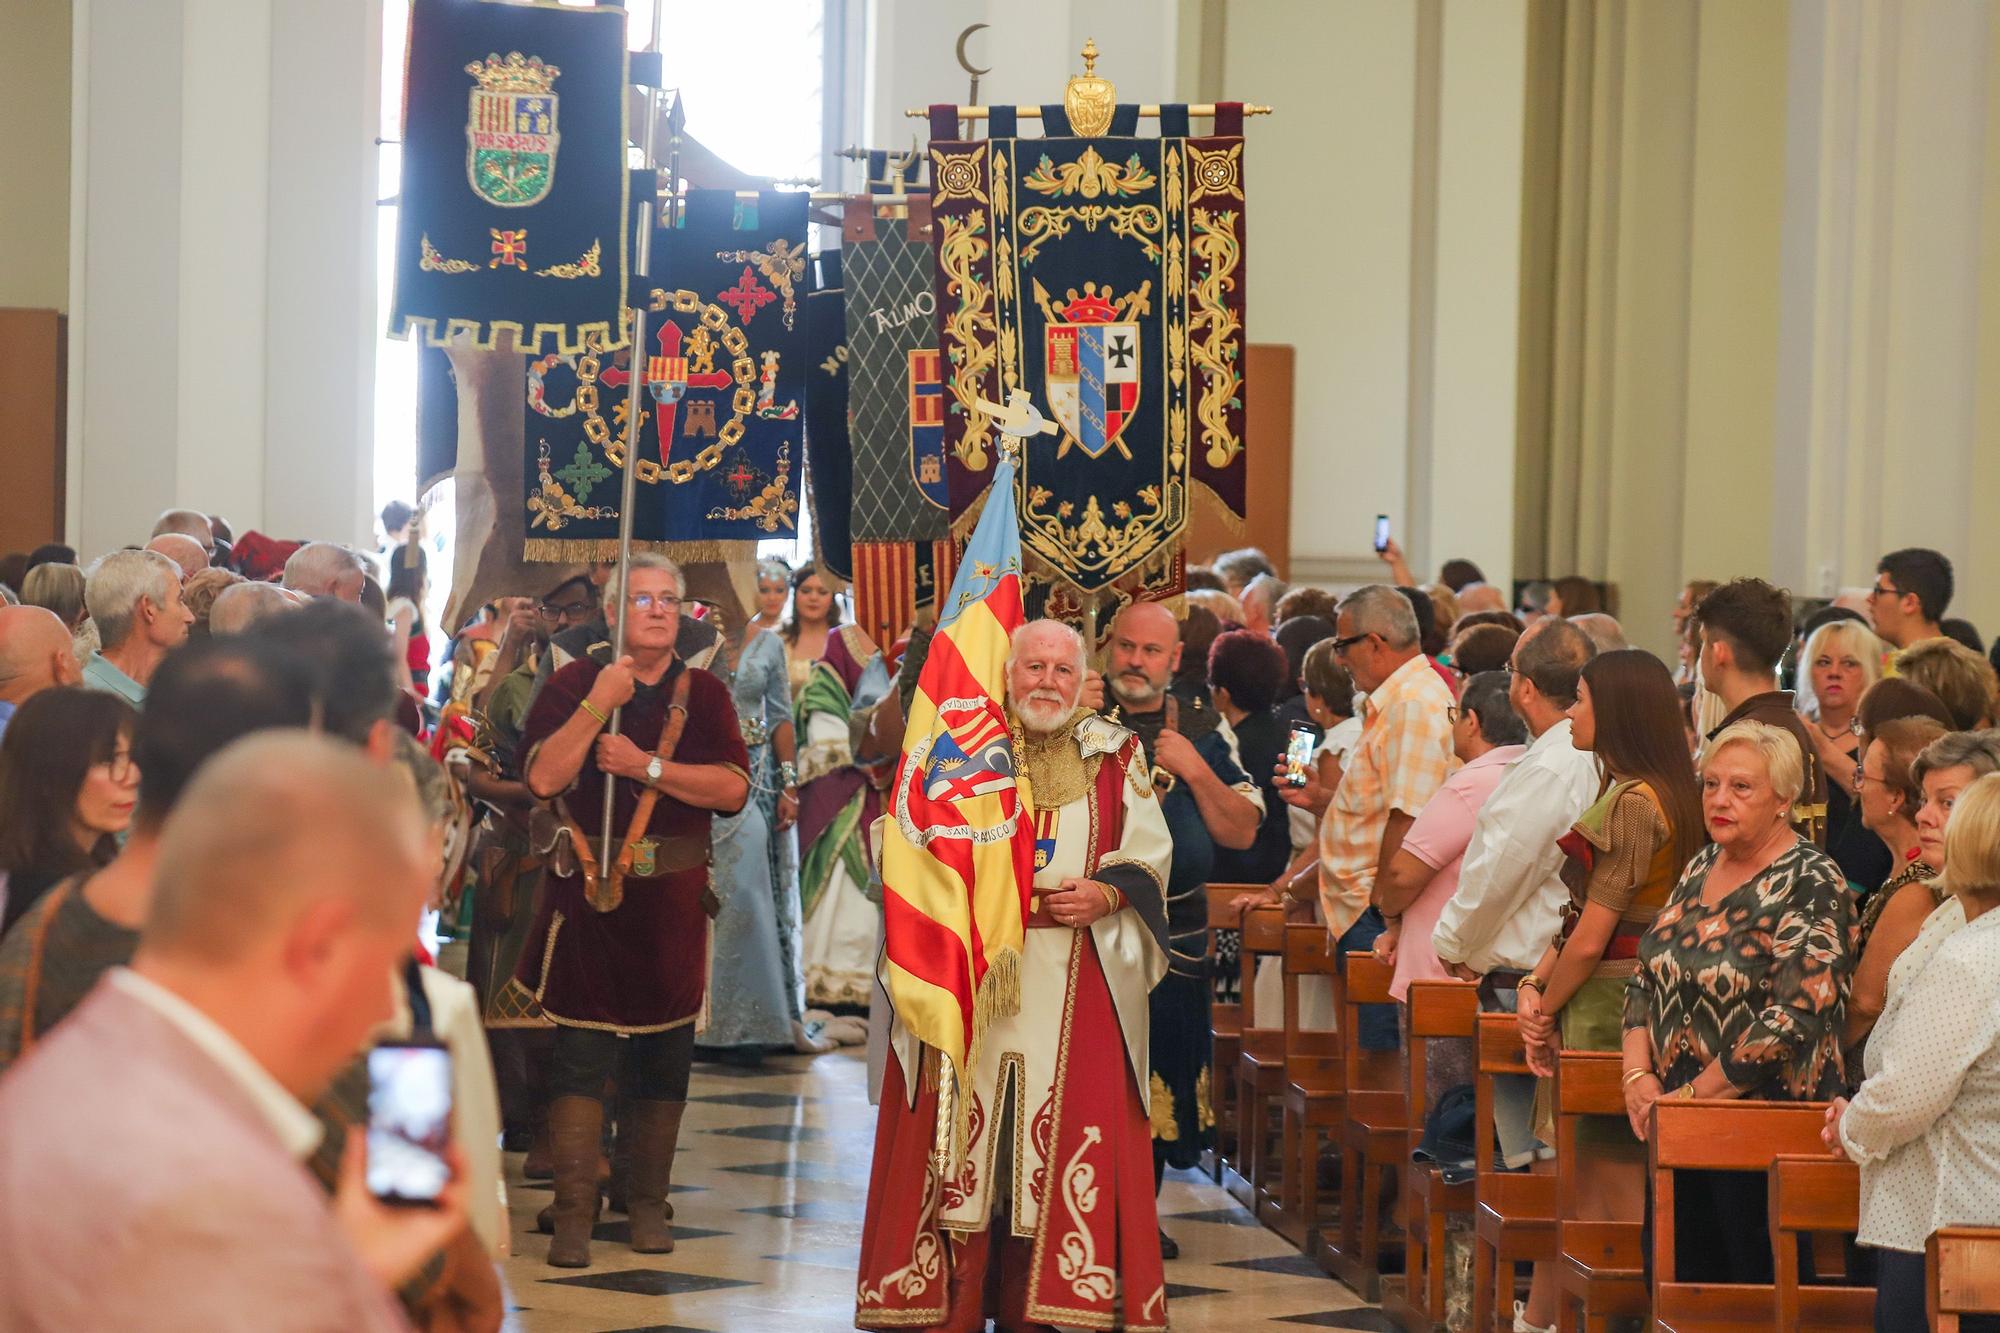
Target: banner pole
[{"x": 629, "y": 482}]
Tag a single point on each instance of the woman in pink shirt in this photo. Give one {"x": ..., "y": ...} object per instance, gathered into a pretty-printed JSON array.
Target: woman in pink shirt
[{"x": 1423, "y": 872}]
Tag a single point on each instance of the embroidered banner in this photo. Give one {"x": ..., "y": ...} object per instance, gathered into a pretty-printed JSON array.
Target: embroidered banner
[
  {"x": 895, "y": 389},
  {"x": 1105, "y": 277},
  {"x": 721, "y": 432},
  {"x": 829, "y": 461},
  {"x": 514, "y": 191}
]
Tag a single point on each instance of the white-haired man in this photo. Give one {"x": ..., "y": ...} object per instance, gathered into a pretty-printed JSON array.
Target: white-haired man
[
  {"x": 322, "y": 569},
  {"x": 134, "y": 597},
  {"x": 1058, "y": 1090},
  {"x": 1402, "y": 759}
]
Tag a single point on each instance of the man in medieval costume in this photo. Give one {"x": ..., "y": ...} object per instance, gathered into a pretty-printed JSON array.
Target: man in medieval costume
[
  {"x": 1043, "y": 1211},
  {"x": 618, "y": 957}
]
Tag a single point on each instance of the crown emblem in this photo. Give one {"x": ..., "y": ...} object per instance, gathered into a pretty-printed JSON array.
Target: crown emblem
[{"x": 515, "y": 74}]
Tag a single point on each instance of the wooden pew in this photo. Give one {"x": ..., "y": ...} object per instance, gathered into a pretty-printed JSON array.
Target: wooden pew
[
  {"x": 1225, "y": 1030},
  {"x": 1375, "y": 1137},
  {"x": 1718, "y": 1136},
  {"x": 1439, "y": 1011},
  {"x": 1599, "y": 1265},
  {"x": 1313, "y": 1091},
  {"x": 1260, "y": 1061},
  {"x": 1962, "y": 1272},
  {"x": 1815, "y": 1195},
  {"x": 1515, "y": 1220}
]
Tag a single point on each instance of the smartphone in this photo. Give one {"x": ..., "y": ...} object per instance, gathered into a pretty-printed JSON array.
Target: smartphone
[
  {"x": 1299, "y": 755},
  {"x": 1381, "y": 533},
  {"x": 409, "y": 1122}
]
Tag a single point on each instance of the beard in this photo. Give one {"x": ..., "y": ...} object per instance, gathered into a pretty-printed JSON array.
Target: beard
[
  {"x": 1136, "y": 688},
  {"x": 1043, "y": 711}
]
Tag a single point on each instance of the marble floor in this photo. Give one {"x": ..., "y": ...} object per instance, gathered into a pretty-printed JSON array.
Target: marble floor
[{"x": 769, "y": 1189}]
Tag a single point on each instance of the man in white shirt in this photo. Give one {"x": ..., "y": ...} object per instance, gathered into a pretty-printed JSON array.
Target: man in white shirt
[
  {"x": 151, "y": 1175},
  {"x": 1510, "y": 893}
]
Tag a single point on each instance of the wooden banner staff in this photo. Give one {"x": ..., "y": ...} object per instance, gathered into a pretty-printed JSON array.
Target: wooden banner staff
[{"x": 629, "y": 484}]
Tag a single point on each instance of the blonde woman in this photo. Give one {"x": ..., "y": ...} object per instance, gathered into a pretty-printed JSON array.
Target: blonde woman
[
  {"x": 1925, "y": 1125},
  {"x": 1841, "y": 659}
]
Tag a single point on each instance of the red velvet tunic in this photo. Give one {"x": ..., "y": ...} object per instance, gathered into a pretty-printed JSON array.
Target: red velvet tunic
[{"x": 641, "y": 967}]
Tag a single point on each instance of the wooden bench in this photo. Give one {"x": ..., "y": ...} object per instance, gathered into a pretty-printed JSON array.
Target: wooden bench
[
  {"x": 1600, "y": 1268},
  {"x": 1260, "y": 1061},
  {"x": 1718, "y": 1136},
  {"x": 1962, "y": 1274},
  {"x": 1514, "y": 1221},
  {"x": 1375, "y": 1136},
  {"x": 1314, "y": 1093},
  {"x": 1815, "y": 1195},
  {"x": 1439, "y": 1011},
  {"x": 1225, "y": 1030}
]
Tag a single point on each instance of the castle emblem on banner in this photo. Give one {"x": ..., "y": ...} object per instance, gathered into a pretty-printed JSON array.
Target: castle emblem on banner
[
  {"x": 510, "y": 130},
  {"x": 1091, "y": 357}
]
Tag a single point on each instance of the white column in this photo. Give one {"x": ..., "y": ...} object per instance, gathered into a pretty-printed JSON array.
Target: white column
[{"x": 222, "y": 302}]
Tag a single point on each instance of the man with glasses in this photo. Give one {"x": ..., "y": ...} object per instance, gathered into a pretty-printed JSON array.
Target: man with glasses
[
  {"x": 1912, "y": 589},
  {"x": 1403, "y": 757},
  {"x": 696, "y": 645},
  {"x": 619, "y": 949}
]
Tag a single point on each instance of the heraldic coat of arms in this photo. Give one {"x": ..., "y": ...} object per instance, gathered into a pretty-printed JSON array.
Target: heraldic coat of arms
[
  {"x": 1093, "y": 371},
  {"x": 510, "y": 131}
]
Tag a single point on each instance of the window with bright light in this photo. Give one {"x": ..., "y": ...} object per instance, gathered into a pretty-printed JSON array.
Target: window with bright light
[{"x": 750, "y": 74}]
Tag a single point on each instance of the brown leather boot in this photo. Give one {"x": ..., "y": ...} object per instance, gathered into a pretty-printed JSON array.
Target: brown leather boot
[
  {"x": 654, "y": 1129},
  {"x": 576, "y": 1127}
]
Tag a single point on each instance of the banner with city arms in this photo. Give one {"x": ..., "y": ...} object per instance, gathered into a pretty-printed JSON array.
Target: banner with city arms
[
  {"x": 1105, "y": 277},
  {"x": 511, "y": 216},
  {"x": 721, "y": 423},
  {"x": 896, "y": 413}
]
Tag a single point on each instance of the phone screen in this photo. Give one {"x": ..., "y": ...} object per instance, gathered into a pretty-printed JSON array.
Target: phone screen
[
  {"x": 1381, "y": 532},
  {"x": 1299, "y": 755},
  {"x": 409, "y": 1122}
]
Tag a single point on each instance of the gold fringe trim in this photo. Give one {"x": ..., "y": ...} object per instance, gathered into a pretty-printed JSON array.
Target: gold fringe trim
[
  {"x": 586, "y": 550},
  {"x": 999, "y": 995},
  {"x": 484, "y": 335},
  {"x": 1205, "y": 496}
]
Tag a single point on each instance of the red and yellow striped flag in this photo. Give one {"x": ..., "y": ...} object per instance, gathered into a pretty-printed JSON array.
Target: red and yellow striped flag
[{"x": 958, "y": 850}]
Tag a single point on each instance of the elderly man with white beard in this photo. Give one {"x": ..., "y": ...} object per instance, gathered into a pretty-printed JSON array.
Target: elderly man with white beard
[{"x": 1050, "y": 1218}]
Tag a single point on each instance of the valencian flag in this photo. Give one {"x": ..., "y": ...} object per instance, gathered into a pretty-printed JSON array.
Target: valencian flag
[
  {"x": 1105, "y": 276},
  {"x": 957, "y": 850},
  {"x": 514, "y": 192},
  {"x": 721, "y": 430}
]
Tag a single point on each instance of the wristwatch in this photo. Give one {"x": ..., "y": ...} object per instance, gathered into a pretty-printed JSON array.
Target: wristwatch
[{"x": 653, "y": 770}]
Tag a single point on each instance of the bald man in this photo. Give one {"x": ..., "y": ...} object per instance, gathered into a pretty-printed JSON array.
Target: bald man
[
  {"x": 1208, "y": 802},
  {"x": 35, "y": 653},
  {"x": 182, "y": 550},
  {"x": 154, "y": 1156},
  {"x": 190, "y": 523},
  {"x": 242, "y": 605},
  {"x": 1480, "y": 597},
  {"x": 322, "y": 569}
]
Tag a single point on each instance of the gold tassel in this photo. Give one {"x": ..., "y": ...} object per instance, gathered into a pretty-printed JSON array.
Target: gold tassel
[
  {"x": 589, "y": 550},
  {"x": 999, "y": 995}
]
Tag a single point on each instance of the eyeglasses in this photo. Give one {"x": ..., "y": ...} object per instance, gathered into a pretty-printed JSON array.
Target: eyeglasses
[
  {"x": 646, "y": 601},
  {"x": 119, "y": 767},
  {"x": 1880, "y": 590},
  {"x": 1452, "y": 714},
  {"x": 1341, "y": 646},
  {"x": 1862, "y": 778},
  {"x": 565, "y": 610}
]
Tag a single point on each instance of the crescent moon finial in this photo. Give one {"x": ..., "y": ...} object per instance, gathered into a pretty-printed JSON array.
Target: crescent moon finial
[{"x": 965, "y": 62}]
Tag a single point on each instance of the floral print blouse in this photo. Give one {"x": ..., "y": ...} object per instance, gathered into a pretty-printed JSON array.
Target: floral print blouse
[{"x": 1758, "y": 980}]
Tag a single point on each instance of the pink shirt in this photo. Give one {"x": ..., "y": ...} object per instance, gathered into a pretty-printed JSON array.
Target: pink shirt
[{"x": 1438, "y": 838}]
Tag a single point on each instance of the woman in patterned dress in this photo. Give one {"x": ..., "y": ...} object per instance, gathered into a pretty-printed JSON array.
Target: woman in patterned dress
[
  {"x": 757, "y": 984},
  {"x": 1739, "y": 986}
]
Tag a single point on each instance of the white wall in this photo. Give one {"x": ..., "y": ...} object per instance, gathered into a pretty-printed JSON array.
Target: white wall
[{"x": 222, "y": 297}]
